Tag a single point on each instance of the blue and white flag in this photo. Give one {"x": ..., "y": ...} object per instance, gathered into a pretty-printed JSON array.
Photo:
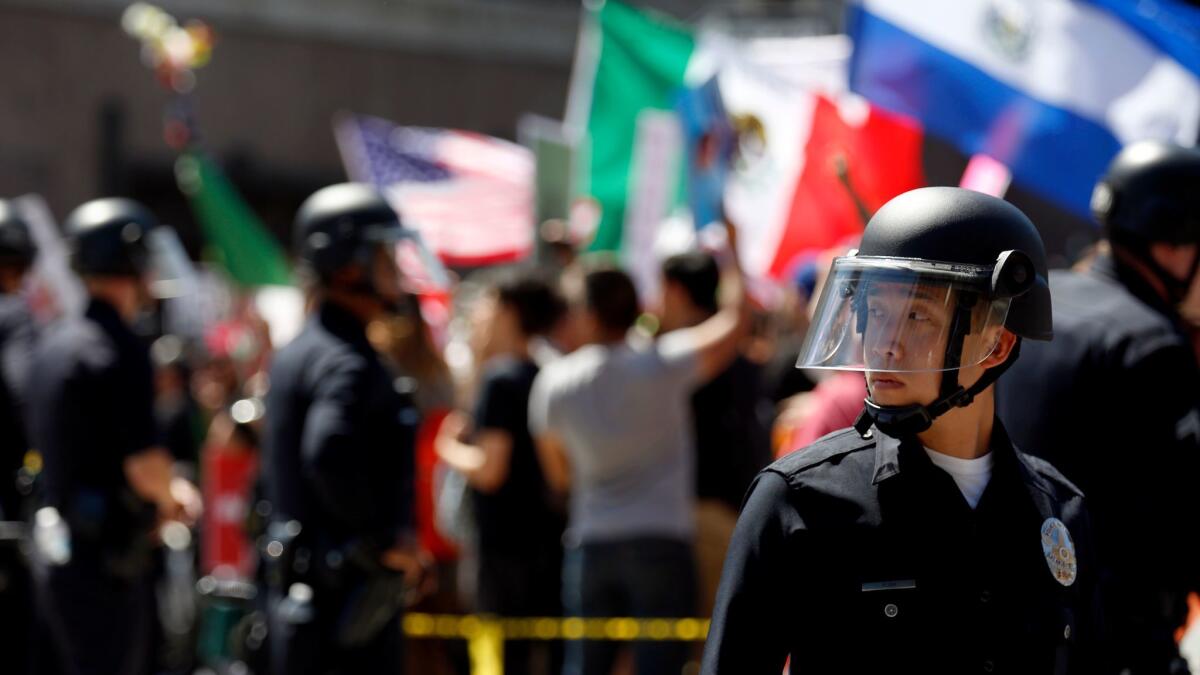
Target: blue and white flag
[{"x": 1050, "y": 88}]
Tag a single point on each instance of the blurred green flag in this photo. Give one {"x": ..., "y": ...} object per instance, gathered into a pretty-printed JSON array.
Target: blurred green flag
[
  {"x": 237, "y": 240},
  {"x": 640, "y": 61}
]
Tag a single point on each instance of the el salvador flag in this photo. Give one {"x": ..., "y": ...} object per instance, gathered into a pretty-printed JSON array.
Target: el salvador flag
[{"x": 1051, "y": 88}]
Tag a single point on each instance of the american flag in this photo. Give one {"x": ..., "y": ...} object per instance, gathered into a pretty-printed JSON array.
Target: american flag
[{"x": 470, "y": 196}]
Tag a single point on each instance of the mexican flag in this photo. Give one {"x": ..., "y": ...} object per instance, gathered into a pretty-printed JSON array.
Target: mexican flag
[
  {"x": 823, "y": 159},
  {"x": 237, "y": 240}
]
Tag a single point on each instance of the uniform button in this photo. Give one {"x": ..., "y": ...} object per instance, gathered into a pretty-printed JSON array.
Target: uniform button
[
  {"x": 985, "y": 597},
  {"x": 989, "y": 666},
  {"x": 1067, "y": 632},
  {"x": 891, "y": 610}
]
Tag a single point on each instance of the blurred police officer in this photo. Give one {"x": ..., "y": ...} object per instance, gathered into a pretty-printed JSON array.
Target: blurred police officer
[
  {"x": 106, "y": 482},
  {"x": 1113, "y": 400},
  {"x": 339, "y": 451},
  {"x": 17, "y": 336},
  {"x": 921, "y": 540}
]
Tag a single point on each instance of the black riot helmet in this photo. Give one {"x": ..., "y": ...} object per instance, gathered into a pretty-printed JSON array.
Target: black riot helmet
[
  {"x": 108, "y": 237},
  {"x": 17, "y": 248},
  {"x": 342, "y": 225},
  {"x": 939, "y": 271},
  {"x": 1149, "y": 194}
]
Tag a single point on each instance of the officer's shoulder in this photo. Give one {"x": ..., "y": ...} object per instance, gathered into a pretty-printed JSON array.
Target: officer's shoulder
[
  {"x": 1108, "y": 306},
  {"x": 73, "y": 339},
  {"x": 821, "y": 454},
  {"x": 317, "y": 351},
  {"x": 1047, "y": 478}
]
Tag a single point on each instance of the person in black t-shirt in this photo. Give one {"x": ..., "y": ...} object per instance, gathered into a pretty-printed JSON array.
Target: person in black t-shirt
[
  {"x": 518, "y": 527},
  {"x": 730, "y": 426}
]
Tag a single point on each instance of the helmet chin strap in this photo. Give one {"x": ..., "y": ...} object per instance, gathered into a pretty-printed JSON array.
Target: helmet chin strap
[
  {"x": 909, "y": 420},
  {"x": 1138, "y": 253}
]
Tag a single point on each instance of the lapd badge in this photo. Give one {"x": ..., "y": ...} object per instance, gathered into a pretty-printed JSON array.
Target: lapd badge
[{"x": 1059, "y": 551}]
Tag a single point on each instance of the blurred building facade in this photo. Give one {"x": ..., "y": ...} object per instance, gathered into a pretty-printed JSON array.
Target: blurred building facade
[{"x": 80, "y": 115}]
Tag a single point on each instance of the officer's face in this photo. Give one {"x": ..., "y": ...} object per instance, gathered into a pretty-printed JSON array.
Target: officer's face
[
  {"x": 907, "y": 330},
  {"x": 385, "y": 275}
]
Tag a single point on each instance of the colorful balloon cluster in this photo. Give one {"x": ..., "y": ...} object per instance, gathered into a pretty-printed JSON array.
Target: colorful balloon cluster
[{"x": 173, "y": 51}]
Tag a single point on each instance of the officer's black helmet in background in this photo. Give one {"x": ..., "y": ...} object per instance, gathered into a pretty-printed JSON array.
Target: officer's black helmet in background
[
  {"x": 955, "y": 225},
  {"x": 1150, "y": 193},
  {"x": 17, "y": 248},
  {"x": 107, "y": 238},
  {"x": 340, "y": 225}
]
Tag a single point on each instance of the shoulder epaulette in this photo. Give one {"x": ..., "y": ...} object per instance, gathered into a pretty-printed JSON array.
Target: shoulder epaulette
[
  {"x": 1048, "y": 478},
  {"x": 827, "y": 447}
]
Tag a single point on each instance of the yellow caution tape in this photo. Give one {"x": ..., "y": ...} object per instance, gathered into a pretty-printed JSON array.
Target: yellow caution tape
[
  {"x": 486, "y": 647},
  {"x": 473, "y": 627}
]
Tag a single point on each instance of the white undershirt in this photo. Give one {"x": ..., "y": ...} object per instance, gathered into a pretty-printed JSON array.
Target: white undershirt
[{"x": 971, "y": 475}]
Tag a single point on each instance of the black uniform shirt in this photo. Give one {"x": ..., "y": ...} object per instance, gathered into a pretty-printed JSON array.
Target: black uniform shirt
[
  {"x": 17, "y": 338},
  {"x": 861, "y": 556},
  {"x": 91, "y": 405},
  {"x": 339, "y": 437}
]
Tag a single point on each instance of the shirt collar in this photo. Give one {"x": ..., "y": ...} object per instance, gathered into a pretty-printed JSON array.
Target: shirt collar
[
  {"x": 342, "y": 323},
  {"x": 103, "y": 313},
  {"x": 891, "y": 454},
  {"x": 887, "y": 456}
]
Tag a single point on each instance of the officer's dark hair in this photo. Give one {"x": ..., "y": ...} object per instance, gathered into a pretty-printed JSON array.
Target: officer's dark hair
[
  {"x": 610, "y": 295},
  {"x": 698, "y": 275},
  {"x": 537, "y": 305}
]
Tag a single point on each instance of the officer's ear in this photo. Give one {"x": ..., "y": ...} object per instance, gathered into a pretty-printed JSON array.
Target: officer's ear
[{"x": 1006, "y": 341}]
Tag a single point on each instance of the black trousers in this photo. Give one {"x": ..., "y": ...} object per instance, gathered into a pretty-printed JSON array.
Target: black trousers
[
  {"x": 524, "y": 583},
  {"x": 305, "y": 643},
  {"x": 16, "y": 611},
  {"x": 98, "y": 624}
]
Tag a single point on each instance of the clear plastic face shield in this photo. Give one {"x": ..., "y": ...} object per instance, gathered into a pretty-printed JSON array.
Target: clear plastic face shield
[
  {"x": 169, "y": 272},
  {"x": 401, "y": 263},
  {"x": 898, "y": 315}
]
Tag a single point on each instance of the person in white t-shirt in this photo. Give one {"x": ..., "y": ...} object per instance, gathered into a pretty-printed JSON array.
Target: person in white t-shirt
[{"x": 612, "y": 426}]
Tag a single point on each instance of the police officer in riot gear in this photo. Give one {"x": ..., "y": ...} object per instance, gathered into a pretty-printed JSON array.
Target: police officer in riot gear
[
  {"x": 921, "y": 540},
  {"x": 339, "y": 451},
  {"x": 17, "y": 336},
  {"x": 106, "y": 481},
  {"x": 1113, "y": 400}
]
